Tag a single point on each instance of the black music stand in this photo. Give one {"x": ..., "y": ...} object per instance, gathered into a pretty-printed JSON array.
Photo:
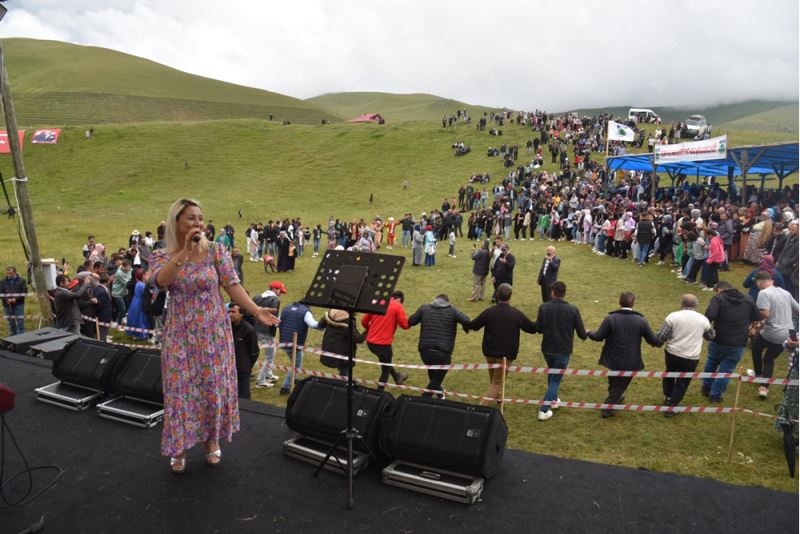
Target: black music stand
[{"x": 353, "y": 282}]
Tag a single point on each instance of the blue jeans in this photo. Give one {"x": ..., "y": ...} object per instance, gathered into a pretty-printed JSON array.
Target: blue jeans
[
  {"x": 601, "y": 243},
  {"x": 316, "y": 246},
  {"x": 553, "y": 381},
  {"x": 721, "y": 359},
  {"x": 642, "y": 255},
  {"x": 406, "y": 238},
  {"x": 122, "y": 309},
  {"x": 17, "y": 324},
  {"x": 298, "y": 365}
]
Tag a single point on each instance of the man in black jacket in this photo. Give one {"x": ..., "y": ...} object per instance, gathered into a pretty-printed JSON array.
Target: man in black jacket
[
  {"x": 480, "y": 270},
  {"x": 503, "y": 269},
  {"x": 503, "y": 324},
  {"x": 14, "y": 307},
  {"x": 548, "y": 272},
  {"x": 558, "y": 321},
  {"x": 622, "y": 331},
  {"x": 437, "y": 337},
  {"x": 730, "y": 312}
]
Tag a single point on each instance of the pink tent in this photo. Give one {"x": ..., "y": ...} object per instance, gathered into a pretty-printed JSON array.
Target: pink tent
[{"x": 368, "y": 117}]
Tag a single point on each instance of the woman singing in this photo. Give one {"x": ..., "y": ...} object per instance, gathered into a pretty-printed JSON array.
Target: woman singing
[{"x": 198, "y": 364}]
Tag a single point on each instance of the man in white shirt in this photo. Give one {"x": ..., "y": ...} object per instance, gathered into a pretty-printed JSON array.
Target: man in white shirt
[
  {"x": 777, "y": 307},
  {"x": 683, "y": 332}
]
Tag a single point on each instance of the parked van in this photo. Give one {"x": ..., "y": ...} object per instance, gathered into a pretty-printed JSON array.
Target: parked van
[{"x": 643, "y": 115}]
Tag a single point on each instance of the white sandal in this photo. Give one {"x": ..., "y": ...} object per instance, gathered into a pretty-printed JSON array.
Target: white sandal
[
  {"x": 214, "y": 458},
  {"x": 177, "y": 465}
]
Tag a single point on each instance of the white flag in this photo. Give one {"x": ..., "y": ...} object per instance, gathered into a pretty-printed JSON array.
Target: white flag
[{"x": 619, "y": 132}]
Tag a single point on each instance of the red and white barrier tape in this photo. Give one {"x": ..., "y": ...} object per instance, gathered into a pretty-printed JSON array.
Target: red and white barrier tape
[
  {"x": 14, "y": 295},
  {"x": 20, "y": 316},
  {"x": 546, "y": 370},
  {"x": 531, "y": 402}
]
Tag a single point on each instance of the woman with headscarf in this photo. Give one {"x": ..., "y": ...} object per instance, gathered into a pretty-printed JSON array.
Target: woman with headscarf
[
  {"x": 98, "y": 254},
  {"x": 283, "y": 242},
  {"x": 136, "y": 317},
  {"x": 430, "y": 247},
  {"x": 416, "y": 246},
  {"x": 759, "y": 234},
  {"x": 767, "y": 264}
]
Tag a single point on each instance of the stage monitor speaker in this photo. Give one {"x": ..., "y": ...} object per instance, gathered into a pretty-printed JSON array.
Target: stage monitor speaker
[
  {"x": 463, "y": 438},
  {"x": 139, "y": 376},
  {"x": 21, "y": 343},
  {"x": 317, "y": 409},
  {"x": 89, "y": 363}
]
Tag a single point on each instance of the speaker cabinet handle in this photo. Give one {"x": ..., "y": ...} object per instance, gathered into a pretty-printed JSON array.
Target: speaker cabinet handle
[{"x": 431, "y": 475}]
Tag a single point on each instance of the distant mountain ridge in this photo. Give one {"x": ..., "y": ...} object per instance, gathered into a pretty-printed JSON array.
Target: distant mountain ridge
[
  {"x": 395, "y": 107},
  {"x": 751, "y": 114},
  {"x": 60, "y": 83}
]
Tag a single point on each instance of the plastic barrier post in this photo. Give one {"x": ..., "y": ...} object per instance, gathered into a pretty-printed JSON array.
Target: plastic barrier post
[
  {"x": 294, "y": 361},
  {"x": 503, "y": 384},
  {"x": 733, "y": 418}
]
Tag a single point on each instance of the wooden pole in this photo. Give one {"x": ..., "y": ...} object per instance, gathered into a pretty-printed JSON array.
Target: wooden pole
[
  {"x": 21, "y": 186},
  {"x": 503, "y": 384},
  {"x": 733, "y": 418},
  {"x": 294, "y": 361},
  {"x": 97, "y": 328}
]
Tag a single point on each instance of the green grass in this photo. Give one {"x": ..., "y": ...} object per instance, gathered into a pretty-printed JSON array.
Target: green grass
[
  {"x": 128, "y": 175},
  {"x": 57, "y": 83},
  {"x": 395, "y": 107}
]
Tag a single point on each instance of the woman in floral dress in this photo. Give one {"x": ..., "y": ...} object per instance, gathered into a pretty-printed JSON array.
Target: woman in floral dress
[{"x": 198, "y": 364}]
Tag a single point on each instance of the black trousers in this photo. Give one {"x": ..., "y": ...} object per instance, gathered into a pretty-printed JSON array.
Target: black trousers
[
  {"x": 764, "y": 362},
  {"x": 384, "y": 354},
  {"x": 675, "y": 388},
  {"x": 243, "y": 384},
  {"x": 545, "y": 293},
  {"x": 616, "y": 388},
  {"x": 435, "y": 376}
]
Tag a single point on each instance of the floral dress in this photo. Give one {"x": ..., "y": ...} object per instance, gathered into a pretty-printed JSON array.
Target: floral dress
[{"x": 198, "y": 364}]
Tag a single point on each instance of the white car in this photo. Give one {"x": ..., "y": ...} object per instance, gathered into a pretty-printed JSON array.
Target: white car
[{"x": 696, "y": 127}]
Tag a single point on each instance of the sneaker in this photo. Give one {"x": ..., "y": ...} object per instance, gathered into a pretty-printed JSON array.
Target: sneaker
[
  {"x": 554, "y": 406},
  {"x": 715, "y": 400},
  {"x": 750, "y": 373},
  {"x": 605, "y": 414},
  {"x": 670, "y": 414},
  {"x": 265, "y": 385},
  {"x": 272, "y": 378},
  {"x": 763, "y": 391},
  {"x": 544, "y": 416},
  {"x": 660, "y": 263},
  {"x": 284, "y": 391}
]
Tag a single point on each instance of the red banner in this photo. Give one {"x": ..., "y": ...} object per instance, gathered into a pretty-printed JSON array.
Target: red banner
[
  {"x": 46, "y": 137},
  {"x": 5, "y": 147}
]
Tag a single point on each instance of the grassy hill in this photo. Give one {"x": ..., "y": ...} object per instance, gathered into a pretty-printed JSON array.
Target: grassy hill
[
  {"x": 57, "y": 83},
  {"x": 394, "y": 107}
]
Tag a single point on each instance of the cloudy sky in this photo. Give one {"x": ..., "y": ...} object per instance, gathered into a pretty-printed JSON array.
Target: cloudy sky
[{"x": 555, "y": 54}]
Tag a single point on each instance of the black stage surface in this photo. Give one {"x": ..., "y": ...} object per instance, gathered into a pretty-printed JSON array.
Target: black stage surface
[{"x": 115, "y": 481}]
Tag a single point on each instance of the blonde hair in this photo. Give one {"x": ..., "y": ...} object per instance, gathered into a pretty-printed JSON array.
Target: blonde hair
[{"x": 171, "y": 229}]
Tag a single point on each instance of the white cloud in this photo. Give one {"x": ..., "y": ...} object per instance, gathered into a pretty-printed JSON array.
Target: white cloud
[{"x": 552, "y": 55}]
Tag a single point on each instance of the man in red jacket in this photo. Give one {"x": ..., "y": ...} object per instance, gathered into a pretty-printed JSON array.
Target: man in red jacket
[{"x": 380, "y": 334}]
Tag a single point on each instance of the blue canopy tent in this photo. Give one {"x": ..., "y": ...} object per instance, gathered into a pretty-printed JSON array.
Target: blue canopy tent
[{"x": 781, "y": 159}]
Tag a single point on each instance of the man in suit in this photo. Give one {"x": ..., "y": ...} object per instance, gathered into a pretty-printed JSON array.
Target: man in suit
[{"x": 548, "y": 273}]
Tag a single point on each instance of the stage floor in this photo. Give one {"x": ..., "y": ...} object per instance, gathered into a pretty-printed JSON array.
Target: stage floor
[{"x": 115, "y": 481}]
